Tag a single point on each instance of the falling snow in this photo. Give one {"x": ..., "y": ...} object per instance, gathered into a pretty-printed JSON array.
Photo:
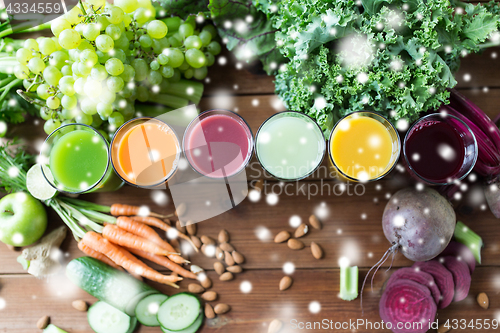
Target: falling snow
[
  {"x": 263, "y": 234},
  {"x": 272, "y": 199},
  {"x": 288, "y": 268},
  {"x": 314, "y": 307},
  {"x": 246, "y": 287},
  {"x": 295, "y": 221}
]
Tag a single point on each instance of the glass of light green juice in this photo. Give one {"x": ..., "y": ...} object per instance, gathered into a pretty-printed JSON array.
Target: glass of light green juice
[
  {"x": 79, "y": 161},
  {"x": 290, "y": 145}
]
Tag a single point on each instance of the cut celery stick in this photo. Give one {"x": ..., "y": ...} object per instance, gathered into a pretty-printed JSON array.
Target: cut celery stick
[
  {"x": 348, "y": 283},
  {"x": 25, "y": 263},
  {"x": 469, "y": 238},
  {"x": 53, "y": 329}
]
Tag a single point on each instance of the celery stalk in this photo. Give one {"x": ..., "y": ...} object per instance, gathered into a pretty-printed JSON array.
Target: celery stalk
[
  {"x": 169, "y": 100},
  {"x": 348, "y": 283},
  {"x": 469, "y": 238},
  {"x": 190, "y": 90}
]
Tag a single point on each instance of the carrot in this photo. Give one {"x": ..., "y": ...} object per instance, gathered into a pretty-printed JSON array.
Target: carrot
[
  {"x": 154, "y": 222},
  {"x": 165, "y": 262},
  {"x": 97, "y": 255},
  {"x": 124, "y": 238},
  {"x": 127, "y": 210},
  {"x": 120, "y": 257},
  {"x": 142, "y": 230}
]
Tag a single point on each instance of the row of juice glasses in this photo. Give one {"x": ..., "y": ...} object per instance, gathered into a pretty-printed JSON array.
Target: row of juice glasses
[{"x": 363, "y": 146}]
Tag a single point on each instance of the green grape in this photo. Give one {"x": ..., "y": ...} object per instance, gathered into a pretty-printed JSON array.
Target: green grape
[
  {"x": 119, "y": 54},
  {"x": 69, "y": 114},
  {"x": 96, "y": 121},
  {"x": 122, "y": 42},
  {"x": 141, "y": 69},
  {"x": 128, "y": 111},
  {"x": 162, "y": 59},
  {"x": 145, "y": 41},
  {"x": 185, "y": 66},
  {"x": 210, "y": 29},
  {"x": 102, "y": 23},
  {"x": 53, "y": 102},
  {"x": 113, "y": 31},
  {"x": 114, "y": 66},
  {"x": 67, "y": 85},
  {"x": 186, "y": 30},
  {"x": 154, "y": 65},
  {"x": 200, "y": 73},
  {"x": 144, "y": 3},
  {"x": 69, "y": 102},
  {"x": 104, "y": 110},
  {"x": 36, "y": 65},
  {"x": 137, "y": 45},
  {"x": 115, "y": 84},
  {"x": 99, "y": 73},
  {"x": 104, "y": 43},
  {"x": 107, "y": 96},
  {"x": 58, "y": 59},
  {"x": 45, "y": 113},
  {"x": 21, "y": 71},
  {"x": 51, "y": 125},
  {"x": 173, "y": 23},
  {"x": 156, "y": 46},
  {"x": 127, "y": 92},
  {"x": 79, "y": 28},
  {"x": 188, "y": 74},
  {"x": 66, "y": 70},
  {"x": 56, "y": 42},
  {"x": 130, "y": 35},
  {"x": 167, "y": 71},
  {"x": 74, "y": 68},
  {"x": 91, "y": 31},
  {"x": 193, "y": 42},
  {"x": 115, "y": 14},
  {"x": 128, "y": 73},
  {"x": 43, "y": 91},
  {"x": 128, "y": 6},
  {"x": 74, "y": 54},
  {"x": 174, "y": 42},
  {"x": 155, "y": 77},
  {"x": 205, "y": 37},
  {"x": 85, "y": 44},
  {"x": 195, "y": 58},
  {"x": 69, "y": 39},
  {"x": 31, "y": 44},
  {"x": 79, "y": 85},
  {"x": 92, "y": 88},
  {"x": 89, "y": 57},
  {"x": 52, "y": 75},
  {"x": 73, "y": 16},
  {"x": 210, "y": 59},
  {"x": 175, "y": 57},
  {"x": 157, "y": 29},
  {"x": 102, "y": 57},
  {"x": 84, "y": 69},
  {"x": 88, "y": 106},
  {"x": 23, "y": 55},
  {"x": 83, "y": 118},
  {"x": 141, "y": 16},
  {"x": 176, "y": 77},
  {"x": 214, "y": 48},
  {"x": 127, "y": 20},
  {"x": 142, "y": 94},
  {"x": 116, "y": 119}
]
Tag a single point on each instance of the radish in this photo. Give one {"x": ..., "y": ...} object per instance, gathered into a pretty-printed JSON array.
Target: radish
[
  {"x": 461, "y": 252},
  {"x": 409, "y": 304},
  {"x": 419, "y": 276},
  {"x": 443, "y": 279},
  {"x": 461, "y": 276}
]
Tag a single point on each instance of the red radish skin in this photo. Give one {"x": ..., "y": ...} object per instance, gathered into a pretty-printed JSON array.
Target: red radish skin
[
  {"x": 461, "y": 252},
  {"x": 419, "y": 276},
  {"x": 443, "y": 279},
  {"x": 407, "y": 302},
  {"x": 421, "y": 223},
  {"x": 461, "y": 276}
]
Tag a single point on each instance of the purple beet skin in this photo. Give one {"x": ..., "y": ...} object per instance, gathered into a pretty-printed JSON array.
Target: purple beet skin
[
  {"x": 419, "y": 276},
  {"x": 461, "y": 252},
  {"x": 443, "y": 279},
  {"x": 461, "y": 276}
]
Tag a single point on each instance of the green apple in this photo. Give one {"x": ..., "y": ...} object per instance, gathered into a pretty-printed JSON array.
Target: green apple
[{"x": 23, "y": 219}]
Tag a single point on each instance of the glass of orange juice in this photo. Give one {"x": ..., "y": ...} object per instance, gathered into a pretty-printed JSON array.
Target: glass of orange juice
[
  {"x": 364, "y": 146},
  {"x": 145, "y": 152}
]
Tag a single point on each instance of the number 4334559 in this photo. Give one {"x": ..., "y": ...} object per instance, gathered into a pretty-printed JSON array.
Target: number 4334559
[
  {"x": 36, "y": 8},
  {"x": 474, "y": 324}
]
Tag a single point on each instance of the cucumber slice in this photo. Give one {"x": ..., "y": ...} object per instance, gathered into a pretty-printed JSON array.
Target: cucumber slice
[
  {"x": 133, "y": 324},
  {"x": 179, "y": 312},
  {"x": 103, "y": 318},
  {"x": 53, "y": 329},
  {"x": 191, "y": 329},
  {"x": 147, "y": 309}
]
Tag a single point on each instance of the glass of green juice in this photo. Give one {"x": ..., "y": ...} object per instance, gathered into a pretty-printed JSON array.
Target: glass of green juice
[
  {"x": 290, "y": 145},
  {"x": 78, "y": 158}
]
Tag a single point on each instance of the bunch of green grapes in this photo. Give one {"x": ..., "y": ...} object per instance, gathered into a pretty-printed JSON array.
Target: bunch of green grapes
[{"x": 103, "y": 57}]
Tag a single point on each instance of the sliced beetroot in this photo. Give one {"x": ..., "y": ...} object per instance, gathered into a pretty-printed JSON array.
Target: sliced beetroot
[
  {"x": 443, "y": 279},
  {"x": 461, "y": 252},
  {"x": 407, "y": 302},
  {"x": 461, "y": 276},
  {"x": 419, "y": 276}
]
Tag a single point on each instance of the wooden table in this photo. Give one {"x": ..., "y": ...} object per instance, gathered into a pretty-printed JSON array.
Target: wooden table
[{"x": 352, "y": 228}]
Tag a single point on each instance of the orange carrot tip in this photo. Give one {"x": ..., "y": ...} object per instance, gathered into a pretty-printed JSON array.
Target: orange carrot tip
[{"x": 128, "y": 210}]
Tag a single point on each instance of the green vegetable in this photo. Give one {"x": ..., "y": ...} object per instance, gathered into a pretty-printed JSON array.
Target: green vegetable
[
  {"x": 108, "y": 284},
  {"x": 469, "y": 238},
  {"x": 103, "y": 318},
  {"x": 53, "y": 329},
  {"x": 39, "y": 261},
  {"x": 25, "y": 263},
  {"x": 191, "y": 329},
  {"x": 348, "y": 283},
  {"x": 147, "y": 309},
  {"x": 179, "y": 312}
]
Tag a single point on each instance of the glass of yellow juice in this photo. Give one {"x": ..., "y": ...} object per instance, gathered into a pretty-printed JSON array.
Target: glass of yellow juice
[{"x": 364, "y": 146}]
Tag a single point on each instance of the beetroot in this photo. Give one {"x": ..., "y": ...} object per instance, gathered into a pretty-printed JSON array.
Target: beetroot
[
  {"x": 419, "y": 276},
  {"x": 443, "y": 279},
  {"x": 461, "y": 252},
  {"x": 461, "y": 276},
  {"x": 409, "y": 304}
]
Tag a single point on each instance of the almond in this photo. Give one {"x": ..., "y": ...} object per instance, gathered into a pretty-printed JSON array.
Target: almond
[
  {"x": 205, "y": 281},
  {"x": 228, "y": 276},
  {"x": 235, "y": 269},
  {"x": 315, "y": 222},
  {"x": 282, "y": 236},
  {"x": 196, "y": 241},
  {"x": 483, "y": 300},
  {"x": 275, "y": 326},
  {"x": 43, "y": 322},
  {"x": 238, "y": 257},
  {"x": 316, "y": 250},
  {"x": 285, "y": 283},
  {"x": 180, "y": 210},
  {"x": 195, "y": 288},
  {"x": 219, "y": 268},
  {"x": 219, "y": 254},
  {"x": 222, "y": 308},
  {"x": 208, "y": 250},
  {"x": 207, "y": 240},
  {"x": 209, "y": 311},
  {"x": 228, "y": 258},
  {"x": 301, "y": 230},
  {"x": 191, "y": 228},
  {"x": 209, "y": 296},
  {"x": 295, "y": 244},
  {"x": 179, "y": 227},
  {"x": 223, "y": 236},
  {"x": 80, "y": 305},
  {"x": 226, "y": 247}
]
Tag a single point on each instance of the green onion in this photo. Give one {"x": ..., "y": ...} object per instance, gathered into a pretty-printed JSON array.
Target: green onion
[
  {"x": 348, "y": 283},
  {"x": 469, "y": 238}
]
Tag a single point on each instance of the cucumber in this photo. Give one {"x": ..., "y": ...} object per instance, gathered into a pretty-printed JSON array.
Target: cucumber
[
  {"x": 147, "y": 309},
  {"x": 108, "y": 284},
  {"x": 133, "y": 324},
  {"x": 179, "y": 312},
  {"x": 191, "y": 329},
  {"x": 103, "y": 318},
  {"x": 53, "y": 329}
]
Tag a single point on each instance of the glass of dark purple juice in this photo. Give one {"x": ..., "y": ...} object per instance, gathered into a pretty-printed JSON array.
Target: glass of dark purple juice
[{"x": 440, "y": 149}]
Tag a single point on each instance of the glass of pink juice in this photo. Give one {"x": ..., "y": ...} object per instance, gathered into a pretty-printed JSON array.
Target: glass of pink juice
[{"x": 218, "y": 143}]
